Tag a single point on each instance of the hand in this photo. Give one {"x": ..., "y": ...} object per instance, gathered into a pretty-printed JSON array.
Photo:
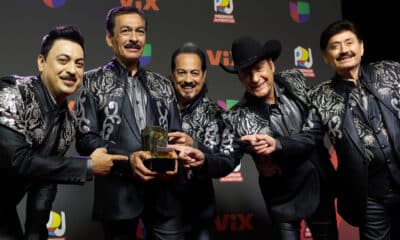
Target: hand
[
  {"x": 261, "y": 144},
  {"x": 180, "y": 138},
  {"x": 139, "y": 169},
  {"x": 190, "y": 157},
  {"x": 102, "y": 161}
]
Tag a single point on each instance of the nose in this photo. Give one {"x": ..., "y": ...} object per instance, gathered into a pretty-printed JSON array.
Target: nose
[
  {"x": 254, "y": 77},
  {"x": 71, "y": 68},
  {"x": 134, "y": 36},
  {"x": 344, "y": 48}
]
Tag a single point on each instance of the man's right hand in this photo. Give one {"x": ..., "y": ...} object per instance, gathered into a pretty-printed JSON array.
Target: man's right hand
[
  {"x": 102, "y": 161},
  {"x": 139, "y": 169},
  {"x": 261, "y": 144}
]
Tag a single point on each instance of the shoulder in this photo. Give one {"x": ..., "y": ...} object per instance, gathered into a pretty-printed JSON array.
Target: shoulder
[
  {"x": 13, "y": 89},
  {"x": 211, "y": 105},
  {"x": 292, "y": 79},
  {"x": 385, "y": 64},
  {"x": 321, "y": 89},
  {"x": 385, "y": 68},
  {"x": 156, "y": 78},
  {"x": 292, "y": 73},
  {"x": 159, "y": 86}
]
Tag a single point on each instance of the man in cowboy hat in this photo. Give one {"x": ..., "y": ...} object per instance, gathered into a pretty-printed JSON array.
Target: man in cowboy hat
[{"x": 294, "y": 188}]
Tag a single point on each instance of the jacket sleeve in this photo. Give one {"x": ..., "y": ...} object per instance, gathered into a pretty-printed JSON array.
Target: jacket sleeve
[
  {"x": 20, "y": 158},
  {"x": 231, "y": 151},
  {"x": 88, "y": 130},
  {"x": 311, "y": 136},
  {"x": 88, "y": 137}
]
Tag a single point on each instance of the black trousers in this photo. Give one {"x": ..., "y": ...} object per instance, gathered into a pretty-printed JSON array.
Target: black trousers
[
  {"x": 322, "y": 223},
  {"x": 382, "y": 218},
  {"x": 39, "y": 204},
  {"x": 156, "y": 228}
]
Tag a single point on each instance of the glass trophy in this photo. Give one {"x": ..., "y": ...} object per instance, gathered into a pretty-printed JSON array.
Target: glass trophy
[{"x": 155, "y": 140}]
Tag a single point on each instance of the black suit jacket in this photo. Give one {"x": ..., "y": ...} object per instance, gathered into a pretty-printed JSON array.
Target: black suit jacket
[
  {"x": 106, "y": 119},
  {"x": 294, "y": 194},
  {"x": 332, "y": 115},
  {"x": 35, "y": 133}
]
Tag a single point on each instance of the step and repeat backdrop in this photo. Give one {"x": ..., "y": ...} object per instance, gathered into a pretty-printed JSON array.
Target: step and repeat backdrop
[{"x": 212, "y": 24}]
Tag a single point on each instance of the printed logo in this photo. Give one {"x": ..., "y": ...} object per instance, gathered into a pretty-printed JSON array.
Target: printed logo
[
  {"x": 228, "y": 104},
  {"x": 220, "y": 56},
  {"x": 145, "y": 5},
  {"x": 223, "y": 11},
  {"x": 234, "y": 222},
  {"x": 303, "y": 60},
  {"x": 299, "y": 11},
  {"x": 235, "y": 175},
  {"x": 145, "y": 59},
  {"x": 56, "y": 226},
  {"x": 54, "y": 3}
]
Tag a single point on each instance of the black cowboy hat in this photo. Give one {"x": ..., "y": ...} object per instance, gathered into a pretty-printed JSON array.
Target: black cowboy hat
[{"x": 246, "y": 51}]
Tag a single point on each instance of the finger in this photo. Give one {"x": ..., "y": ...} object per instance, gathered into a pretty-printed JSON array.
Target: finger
[
  {"x": 179, "y": 148},
  {"x": 175, "y": 134},
  {"x": 118, "y": 157},
  {"x": 247, "y": 138}
]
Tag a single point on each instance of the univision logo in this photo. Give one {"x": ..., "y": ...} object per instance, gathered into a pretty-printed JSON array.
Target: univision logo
[
  {"x": 228, "y": 104},
  {"x": 54, "y": 3},
  {"x": 299, "y": 11},
  {"x": 56, "y": 225},
  {"x": 145, "y": 59}
]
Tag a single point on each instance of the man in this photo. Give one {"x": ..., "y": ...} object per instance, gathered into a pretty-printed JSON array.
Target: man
[
  {"x": 36, "y": 129},
  {"x": 294, "y": 188},
  {"x": 359, "y": 110},
  {"x": 202, "y": 124},
  {"x": 118, "y": 101}
]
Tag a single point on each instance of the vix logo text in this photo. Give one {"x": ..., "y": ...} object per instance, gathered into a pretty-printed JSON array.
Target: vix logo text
[
  {"x": 234, "y": 222},
  {"x": 148, "y": 4},
  {"x": 217, "y": 56}
]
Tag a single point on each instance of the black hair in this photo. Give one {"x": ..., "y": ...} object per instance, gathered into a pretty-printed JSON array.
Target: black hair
[
  {"x": 338, "y": 27},
  {"x": 114, "y": 12},
  {"x": 68, "y": 32},
  {"x": 189, "y": 47}
]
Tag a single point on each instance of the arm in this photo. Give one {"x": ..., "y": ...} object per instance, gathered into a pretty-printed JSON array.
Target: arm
[
  {"x": 292, "y": 146},
  {"x": 18, "y": 156},
  {"x": 88, "y": 138}
]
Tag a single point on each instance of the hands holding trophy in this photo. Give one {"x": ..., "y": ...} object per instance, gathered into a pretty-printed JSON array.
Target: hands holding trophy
[{"x": 155, "y": 160}]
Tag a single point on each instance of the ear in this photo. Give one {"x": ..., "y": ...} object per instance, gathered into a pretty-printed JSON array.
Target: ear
[
  {"x": 108, "y": 39},
  {"x": 40, "y": 62},
  {"x": 272, "y": 64},
  {"x": 205, "y": 74},
  {"x": 362, "y": 48}
]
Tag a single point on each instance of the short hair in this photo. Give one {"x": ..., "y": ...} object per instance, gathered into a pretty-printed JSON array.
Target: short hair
[
  {"x": 338, "y": 27},
  {"x": 114, "y": 12},
  {"x": 189, "y": 47},
  {"x": 69, "y": 32}
]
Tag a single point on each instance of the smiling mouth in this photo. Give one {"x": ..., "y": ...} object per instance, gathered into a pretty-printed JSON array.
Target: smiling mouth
[{"x": 69, "y": 81}]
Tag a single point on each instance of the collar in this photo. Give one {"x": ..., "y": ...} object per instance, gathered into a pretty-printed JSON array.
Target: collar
[{"x": 49, "y": 104}]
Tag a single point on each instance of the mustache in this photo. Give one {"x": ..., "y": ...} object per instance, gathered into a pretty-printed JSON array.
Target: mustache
[
  {"x": 188, "y": 84},
  {"x": 344, "y": 55},
  {"x": 132, "y": 44}
]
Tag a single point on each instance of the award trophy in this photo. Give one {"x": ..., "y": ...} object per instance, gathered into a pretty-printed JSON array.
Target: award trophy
[{"x": 155, "y": 140}]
